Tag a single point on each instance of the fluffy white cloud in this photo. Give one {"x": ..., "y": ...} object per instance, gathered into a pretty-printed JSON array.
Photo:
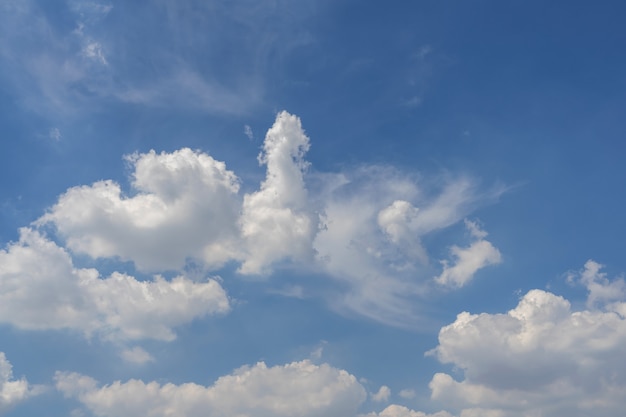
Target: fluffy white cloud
[
  {"x": 600, "y": 288},
  {"x": 277, "y": 221},
  {"x": 41, "y": 289},
  {"x": 12, "y": 391},
  {"x": 383, "y": 394},
  {"x": 298, "y": 389},
  {"x": 479, "y": 254},
  {"x": 136, "y": 355},
  {"x": 186, "y": 205},
  {"x": 361, "y": 227},
  {"x": 540, "y": 358},
  {"x": 401, "y": 411}
]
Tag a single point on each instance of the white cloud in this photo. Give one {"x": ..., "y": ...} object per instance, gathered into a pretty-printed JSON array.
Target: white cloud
[
  {"x": 383, "y": 394},
  {"x": 277, "y": 221},
  {"x": 373, "y": 222},
  {"x": 600, "y": 288},
  {"x": 540, "y": 358},
  {"x": 398, "y": 221},
  {"x": 247, "y": 130},
  {"x": 362, "y": 227},
  {"x": 407, "y": 393},
  {"x": 41, "y": 289},
  {"x": 12, "y": 391},
  {"x": 395, "y": 410},
  {"x": 297, "y": 389},
  {"x": 186, "y": 206},
  {"x": 93, "y": 50},
  {"x": 136, "y": 355},
  {"x": 467, "y": 261}
]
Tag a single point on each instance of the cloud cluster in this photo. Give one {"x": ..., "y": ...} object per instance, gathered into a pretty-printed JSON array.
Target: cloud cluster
[
  {"x": 12, "y": 391},
  {"x": 300, "y": 389},
  {"x": 373, "y": 222},
  {"x": 41, "y": 289},
  {"x": 297, "y": 389},
  {"x": 362, "y": 227},
  {"x": 540, "y": 358}
]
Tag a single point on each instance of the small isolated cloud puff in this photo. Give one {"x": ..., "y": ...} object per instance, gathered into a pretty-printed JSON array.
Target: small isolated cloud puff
[
  {"x": 298, "y": 389},
  {"x": 598, "y": 285},
  {"x": 12, "y": 391},
  {"x": 467, "y": 261},
  {"x": 41, "y": 289},
  {"x": 540, "y": 358},
  {"x": 136, "y": 355},
  {"x": 382, "y": 395},
  {"x": 247, "y": 130}
]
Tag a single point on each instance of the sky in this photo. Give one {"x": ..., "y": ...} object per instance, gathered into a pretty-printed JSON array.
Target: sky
[{"x": 312, "y": 208}]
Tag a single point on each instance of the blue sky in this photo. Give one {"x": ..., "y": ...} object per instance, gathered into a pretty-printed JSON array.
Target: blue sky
[{"x": 312, "y": 208}]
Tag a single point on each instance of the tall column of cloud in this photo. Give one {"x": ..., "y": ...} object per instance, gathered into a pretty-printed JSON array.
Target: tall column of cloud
[
  {"x": 12, "y": 391},
  {"x": 186, "y": 205},
  {"x": 41, "y": 289},
  {"x": 540, "y": 358},
  {"x": 297, "y": 389},
  {"x": 277, "y": 222}
]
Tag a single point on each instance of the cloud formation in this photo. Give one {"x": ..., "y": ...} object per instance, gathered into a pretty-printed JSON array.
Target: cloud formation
[
  {"x": 540, "y": 358},
  {"x": 41, "y": 289},
  {"x": 297, "y": 389},
  {"x": 277, "y": 221},
  {"x": 12, "y": 391},
  {"x": 467, "y": 261},
  {"x": 362, "y": 227},
  {"x": 185, "y": 206},
  {"x": 395, "y": 410}
]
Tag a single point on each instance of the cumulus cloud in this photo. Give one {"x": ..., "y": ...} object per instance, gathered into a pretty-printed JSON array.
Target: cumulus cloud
[
  {"x": 467, "y": 261},
  {"x": 540, "y": 358},
  {"x": 136, "y": 355},
  {"x": 362, "y": 227},
  {"x": 297, "y": 389},
  {"x": 41, "y": 289},
  {"x": 185, "y": 206},
  {"x": 382, "y": 395},
  {"x": 277, "y": 221},
  {"x": 12, "y": 391},
  {"x": 395, "y": 410},
  {"x": 600, "y": 288}
]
